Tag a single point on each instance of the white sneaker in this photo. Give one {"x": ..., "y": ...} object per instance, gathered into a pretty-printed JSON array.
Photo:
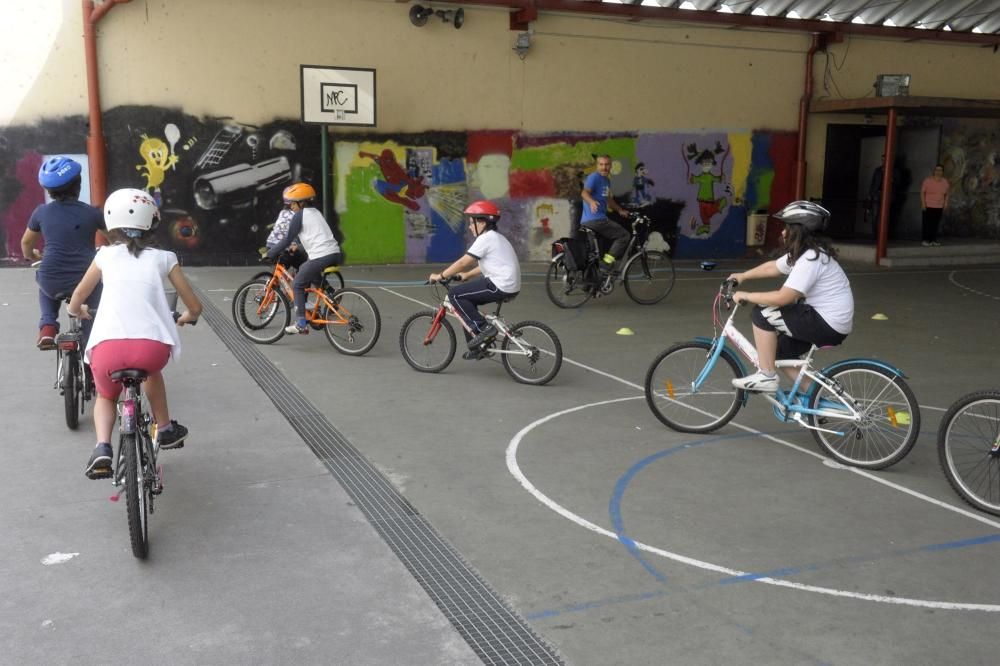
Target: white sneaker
[
  {"x": 758, "y": 381},
  {"x": 926, "y": 243}
]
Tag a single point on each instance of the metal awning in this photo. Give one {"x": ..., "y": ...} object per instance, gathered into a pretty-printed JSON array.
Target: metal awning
[{"x": 948, "y": 107}]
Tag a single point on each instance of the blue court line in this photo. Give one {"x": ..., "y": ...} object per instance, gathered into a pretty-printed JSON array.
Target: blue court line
[{"x": 614, "y": 509}]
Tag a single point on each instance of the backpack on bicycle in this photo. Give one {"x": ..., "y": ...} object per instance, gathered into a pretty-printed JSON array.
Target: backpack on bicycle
[{"x": 574, "y": 253}]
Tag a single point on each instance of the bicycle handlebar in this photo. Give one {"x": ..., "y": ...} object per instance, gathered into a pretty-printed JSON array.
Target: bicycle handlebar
[{"x": 445, "y": 281}]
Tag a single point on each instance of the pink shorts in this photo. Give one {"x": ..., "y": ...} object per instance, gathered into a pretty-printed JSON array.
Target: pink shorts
[{"x": 112, "y": 355}]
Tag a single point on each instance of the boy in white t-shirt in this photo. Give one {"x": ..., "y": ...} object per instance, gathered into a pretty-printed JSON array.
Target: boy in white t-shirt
[
  {"x": 492, "y": 256},
  {"x": 815, "y": 305}
]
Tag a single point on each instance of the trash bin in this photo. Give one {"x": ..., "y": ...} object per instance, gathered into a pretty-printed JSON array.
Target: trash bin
[{"x": 756, "y": 229}]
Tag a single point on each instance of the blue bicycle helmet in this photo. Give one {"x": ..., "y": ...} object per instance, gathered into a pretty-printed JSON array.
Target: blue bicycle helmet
[{"x": 58, "y": 171}]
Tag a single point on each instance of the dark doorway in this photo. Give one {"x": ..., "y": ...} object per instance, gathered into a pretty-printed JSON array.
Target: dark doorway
[
  {"x": 842, "y": 175},
  {"x": 853, "y": 152}
]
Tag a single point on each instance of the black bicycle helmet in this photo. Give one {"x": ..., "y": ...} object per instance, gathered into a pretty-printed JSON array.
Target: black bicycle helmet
[{"x": 810, "y": 215}]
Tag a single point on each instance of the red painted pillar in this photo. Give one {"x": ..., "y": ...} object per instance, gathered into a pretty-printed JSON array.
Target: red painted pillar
[{"x": 885, "y": 202}]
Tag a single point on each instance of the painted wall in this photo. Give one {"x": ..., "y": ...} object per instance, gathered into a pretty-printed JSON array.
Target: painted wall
[
  {"x": 399, "y": 198},
  {"x": 971, "y": 159}
]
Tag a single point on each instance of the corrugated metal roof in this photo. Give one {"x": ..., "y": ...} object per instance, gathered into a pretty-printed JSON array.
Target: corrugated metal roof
[{"x": 976, "y": 16}]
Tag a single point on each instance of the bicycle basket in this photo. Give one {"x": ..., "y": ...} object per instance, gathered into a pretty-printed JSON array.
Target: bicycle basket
[{"x": 574, "y": 253}]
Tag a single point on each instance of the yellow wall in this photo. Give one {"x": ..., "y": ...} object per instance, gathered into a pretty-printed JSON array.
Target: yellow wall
[{"x": 581, "y": 74}]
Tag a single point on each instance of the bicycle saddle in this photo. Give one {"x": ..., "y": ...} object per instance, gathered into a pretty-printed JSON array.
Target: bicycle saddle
[{"x": 129, "y": 373}]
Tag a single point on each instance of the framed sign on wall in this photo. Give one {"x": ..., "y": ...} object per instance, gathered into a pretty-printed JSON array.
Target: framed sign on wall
[{"x": 338, "y": 95}]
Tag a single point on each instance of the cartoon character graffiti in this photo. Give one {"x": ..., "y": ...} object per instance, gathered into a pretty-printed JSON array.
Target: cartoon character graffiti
[
  {"x": 397, "y": 185},
  {"x": 640, "y": 195},
  {"x": 158, "y": 158},
  {"x": 708, "y": 205}
]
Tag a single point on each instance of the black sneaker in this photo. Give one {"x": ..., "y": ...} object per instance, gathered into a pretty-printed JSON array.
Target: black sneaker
[
  {"x": 485, "y": 336},
  {"x": 99, "y": 466},
  {"x": 173, "y": 438},
  {"x": 477, "y": 354}
]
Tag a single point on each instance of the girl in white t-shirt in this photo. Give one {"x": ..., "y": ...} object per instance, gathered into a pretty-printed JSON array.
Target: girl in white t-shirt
[
  {"x": 814, "y": 305},
  {"x": 491, "y": 256},
  {"x": 134, "y": 325}
]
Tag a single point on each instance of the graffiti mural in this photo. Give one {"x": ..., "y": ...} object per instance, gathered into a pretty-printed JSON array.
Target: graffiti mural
[
  {"x": 399, "y": 198},
  {"x": 971, "y": 159}
]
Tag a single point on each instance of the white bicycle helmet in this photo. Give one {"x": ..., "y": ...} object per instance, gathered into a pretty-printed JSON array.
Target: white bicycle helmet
[
  {"x": 130, "y": 209},
  {"x": 810, "y": 215}
]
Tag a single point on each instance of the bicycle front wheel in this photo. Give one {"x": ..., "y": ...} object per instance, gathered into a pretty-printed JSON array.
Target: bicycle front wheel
[
  {"x": 135, "y": 495},
  {"x": 888, "y": 420},
  {"x": 649, "y": 277},
  {"x": 427, "y": 350},
  {"x": 675, "y": 400},
  {"x": 261, "y": 314},
  {"x": 532, "y": 353},
  {"x": 969, "y": 449},
  {"x": 354, "y": 326},
  {"x": 566, "y": 288},
  {"x": 72, "y": 386}
]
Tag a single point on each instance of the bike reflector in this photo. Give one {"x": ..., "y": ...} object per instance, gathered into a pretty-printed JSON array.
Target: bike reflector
[{"x": 68, "y": 345}]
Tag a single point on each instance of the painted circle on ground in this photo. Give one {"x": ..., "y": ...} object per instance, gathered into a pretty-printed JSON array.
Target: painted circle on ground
[{"x": 515, "y": 470}]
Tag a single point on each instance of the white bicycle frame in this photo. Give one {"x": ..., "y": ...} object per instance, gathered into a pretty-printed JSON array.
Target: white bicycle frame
[
  {"x": 784, "y": 402},
  {"x": 501, "y": 325}
]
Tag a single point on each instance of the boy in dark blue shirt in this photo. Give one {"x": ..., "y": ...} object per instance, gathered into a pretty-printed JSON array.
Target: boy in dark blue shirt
[{"x": 69, "y": 228}]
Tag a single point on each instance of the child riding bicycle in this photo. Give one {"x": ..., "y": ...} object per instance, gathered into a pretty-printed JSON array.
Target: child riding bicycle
[
  {"x": 492, "y": 256},
  {"x": 815, "y": 305},
  {"x": 69, "y": 228},
  {"x": 317, "y": 239},
  {"x": 134, "y": 327}
]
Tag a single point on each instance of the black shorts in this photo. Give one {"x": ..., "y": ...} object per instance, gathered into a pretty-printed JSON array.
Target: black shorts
[{"x": 798, "y": 326}]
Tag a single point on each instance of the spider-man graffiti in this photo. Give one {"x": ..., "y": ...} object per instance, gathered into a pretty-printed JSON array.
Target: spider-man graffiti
[
  {"x": 398, "y": 186},
  {"x": 708, "y": 205}
]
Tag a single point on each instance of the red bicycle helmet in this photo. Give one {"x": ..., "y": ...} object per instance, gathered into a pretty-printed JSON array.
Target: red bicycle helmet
[{"x": 483, "y": 210}]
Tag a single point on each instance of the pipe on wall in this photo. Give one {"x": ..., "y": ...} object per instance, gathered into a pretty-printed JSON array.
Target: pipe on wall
[
  {"x": 96, "y": 150},
  {"x": 818, "y": 42}
]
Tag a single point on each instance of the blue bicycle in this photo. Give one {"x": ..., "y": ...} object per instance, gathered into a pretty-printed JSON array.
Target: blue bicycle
[{"x": 860, "y": 411}]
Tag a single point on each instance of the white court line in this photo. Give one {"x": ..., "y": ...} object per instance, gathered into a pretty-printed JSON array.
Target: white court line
[
  {"x": 860, "y": 472},
  {"x": 515, "y": 470}
]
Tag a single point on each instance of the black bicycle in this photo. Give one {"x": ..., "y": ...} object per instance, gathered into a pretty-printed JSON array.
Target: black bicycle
[
  {"x": 574, "y": 275},
  {"x": 73, "y": 379},
  {"x": 969, "y": 449}
]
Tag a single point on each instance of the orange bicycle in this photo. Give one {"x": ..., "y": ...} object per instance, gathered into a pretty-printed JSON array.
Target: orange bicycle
[{"x": 262, "y": 308}]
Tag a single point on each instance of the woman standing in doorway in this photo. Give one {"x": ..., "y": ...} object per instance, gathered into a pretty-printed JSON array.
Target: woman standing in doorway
[{"x": 933, "y": 201}]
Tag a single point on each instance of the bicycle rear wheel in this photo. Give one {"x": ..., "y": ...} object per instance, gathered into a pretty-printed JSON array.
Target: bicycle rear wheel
[
  {"x": 888, "y": 422},
  {"x": 422, "y": 350},
  {"x": 649, "y": 277},
  {"x": 540, "y": 364},
  {"x": 261, "y": 314},
  {"x": 72, "y": 386},
  {"x": 135, "y": 494},
  {"x": 969, "y": 449},
  {"x": 673, "y": 398},
  {"x": 356, "y": 325},
  {"x": 566, "y": 288}
]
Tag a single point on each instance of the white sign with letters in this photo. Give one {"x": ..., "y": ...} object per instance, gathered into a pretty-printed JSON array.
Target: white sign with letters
[{"x": 338, "y": 95}]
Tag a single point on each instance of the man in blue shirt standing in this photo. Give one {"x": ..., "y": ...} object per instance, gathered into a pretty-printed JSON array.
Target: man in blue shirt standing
[
  {"x": 597, "y": 200},
  {"x": 69, "y": 228}
]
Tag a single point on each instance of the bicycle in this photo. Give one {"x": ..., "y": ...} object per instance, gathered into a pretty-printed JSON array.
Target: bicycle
[
  {"x": 136, "y": 472},
  {"x": 262, "y": 308},
  {"x": 572, "y": 280},
  {"x": 860, "y": 411},
  {"x": 969, "y": 449},
  {"x": 73, "y": 380},
  {"x": 529, "y": 350}
]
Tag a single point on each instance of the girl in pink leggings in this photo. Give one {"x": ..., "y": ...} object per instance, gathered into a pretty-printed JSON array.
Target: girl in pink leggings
[{"x": 134, "y": 326}]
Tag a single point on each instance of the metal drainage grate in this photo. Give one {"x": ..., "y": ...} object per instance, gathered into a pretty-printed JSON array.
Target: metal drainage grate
[{"x": 493, "y": 630}]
